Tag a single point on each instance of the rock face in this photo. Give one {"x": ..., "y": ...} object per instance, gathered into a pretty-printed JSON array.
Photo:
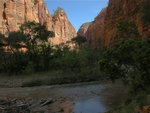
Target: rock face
[
  {"x": 119, "y": 10},
  {"x": 83, "y": 29},
  {"x": 64, "y": 31},
  {"x": 15, "y": 12},
  {"x": 103, "y": 30},
  {"x": 94, "y": 33}
]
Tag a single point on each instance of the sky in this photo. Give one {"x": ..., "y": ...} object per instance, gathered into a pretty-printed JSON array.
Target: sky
[{"x": 78, "y": 11}]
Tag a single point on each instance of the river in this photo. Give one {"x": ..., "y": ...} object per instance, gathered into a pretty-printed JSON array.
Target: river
[{"x": 72, "y": 98}]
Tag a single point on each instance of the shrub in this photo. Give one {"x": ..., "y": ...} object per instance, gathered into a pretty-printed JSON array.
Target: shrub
[
  {"x": 79, "y": 40},
  {"x": 128, "y": 60},
  {"x": 127, "y": 29},
  {"x": 146, "y": 12}
]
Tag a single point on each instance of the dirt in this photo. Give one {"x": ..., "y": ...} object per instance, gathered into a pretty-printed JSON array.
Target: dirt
[{"x": 90, "y": 97}]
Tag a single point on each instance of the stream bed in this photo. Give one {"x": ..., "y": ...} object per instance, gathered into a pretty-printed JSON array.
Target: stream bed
[{"x": 73, "y": 98}]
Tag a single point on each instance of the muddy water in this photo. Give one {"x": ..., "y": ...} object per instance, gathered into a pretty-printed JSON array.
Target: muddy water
[{"x": 77, "y": 98}]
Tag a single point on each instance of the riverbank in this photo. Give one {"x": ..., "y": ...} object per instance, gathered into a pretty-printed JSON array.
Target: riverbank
[
  {"x": 99, "y": 95},
  {"x": 65, "y": 98},
  {"x": 46, "y": 78}
]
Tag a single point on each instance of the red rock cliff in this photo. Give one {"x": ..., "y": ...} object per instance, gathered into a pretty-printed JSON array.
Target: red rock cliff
[
  {"x": 94, "y": 33},
  {"x": 15, "y": 12},
  {"x": 119, "y": 10},
  {"x": 104, "y": 28},
  {"x": 64, "y": 31},
  {"x": 83, "y": 29}
]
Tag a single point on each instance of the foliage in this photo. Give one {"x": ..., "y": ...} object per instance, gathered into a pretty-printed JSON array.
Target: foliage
[
  {"x": 13, "y": 63},
  {"x": 129, "y": 60},
  {"x": 146, "y": 12},
  {"x": 2, "y": 40},
  {"x": 79, "y": 40},
  {"x": 40, "y": 55},
  {"x": 15, "y": 39},
  {"x": 139, "y": 101},
  {"x": 31, "y": 36},
  {"x": 127, "y": 29},
  {"x": 35, "y": 34},
  {"x": 46, "y": 52},
  {"x": 1, "y": 36}
]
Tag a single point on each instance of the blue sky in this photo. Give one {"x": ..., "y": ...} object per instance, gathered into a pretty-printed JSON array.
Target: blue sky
[{"x": 78, "y": 11}]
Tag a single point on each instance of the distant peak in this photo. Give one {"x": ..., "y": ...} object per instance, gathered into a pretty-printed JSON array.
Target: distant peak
[
  {"x": 59, "y": 11},
  {"x": 86, "y": 25}
]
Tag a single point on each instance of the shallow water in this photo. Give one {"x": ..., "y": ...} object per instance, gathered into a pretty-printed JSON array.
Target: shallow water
[
  {"x": 87, "y": 98},
  {"x": 89, "y": 106}
]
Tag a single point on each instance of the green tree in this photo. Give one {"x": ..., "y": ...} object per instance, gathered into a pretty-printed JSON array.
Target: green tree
[
  {"x": 127, "y": 29},
  {"x": 46, "y": 55},
  {"x": 2, "y": 54},
  {"x": 16, "y": 40},
  {"x": 2, "y": 41},
  {"x": 15, "y": 60},
  {"x": 79, "y": 40},
  {"x": 146, "y": 12},
  {"x": 71, "y": 61},
  {"x": 36, "y": 34},
  {"x": 129, "y": 60}
]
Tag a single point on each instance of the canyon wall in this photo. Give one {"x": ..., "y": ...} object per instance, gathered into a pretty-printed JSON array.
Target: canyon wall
[
  {"x": 94, "y": 32},
  {"x": 83, "y": 29},
  {"x": 119, "y": 10},
  {"x": 13, "y": 13},
  {"x": 102, "y": 32}
]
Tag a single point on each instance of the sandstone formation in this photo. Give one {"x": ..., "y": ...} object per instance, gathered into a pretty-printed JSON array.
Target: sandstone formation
[
  {"x": 102, "y": 32},
  {"x": 94, "y": 33},
  {"x": 83, "y": 29},
  {"x": 119, "y": 10},
  {"x": 15, "y": 12},
  {"x": 64, "y": 31}
]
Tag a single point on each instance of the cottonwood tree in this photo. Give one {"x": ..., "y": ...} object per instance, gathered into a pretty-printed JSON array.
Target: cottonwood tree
[
  {"x": 36, "y": 37},
  {"x": 36, "y": 34}
]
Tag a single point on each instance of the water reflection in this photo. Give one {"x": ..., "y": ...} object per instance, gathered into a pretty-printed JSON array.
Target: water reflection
[{"x": 89, "y": 106}]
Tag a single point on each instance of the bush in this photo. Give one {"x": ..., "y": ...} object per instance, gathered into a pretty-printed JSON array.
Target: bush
[
  {"x": 128, "y": 60},
  {"x": 127, "y": 30},
  {"x": 146, "y": 12},
  {"x": 39, "y": 55},
  {"x": 33, "y": 83},
  {"x": 79, "y": 40}
]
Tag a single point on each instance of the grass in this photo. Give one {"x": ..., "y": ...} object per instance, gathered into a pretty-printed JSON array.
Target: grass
[
  {"x": 58, "y": 80},
  {"x": 52, "y": 77},
  {"x": 60, "y": 77}
]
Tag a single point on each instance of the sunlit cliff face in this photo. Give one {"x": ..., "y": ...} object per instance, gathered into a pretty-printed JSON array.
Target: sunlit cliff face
[
  {"x": 102, "y": 32},
  {"x": 16, "y": 12},
  {"x": 63, "y": 27}
]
